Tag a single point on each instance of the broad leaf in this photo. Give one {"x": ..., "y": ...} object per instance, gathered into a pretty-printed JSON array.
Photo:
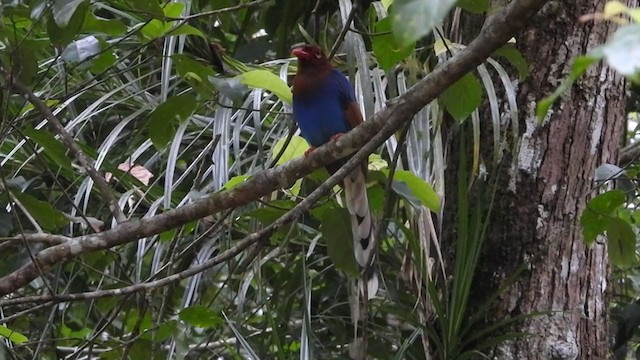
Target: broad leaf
[
  {"x": 463, "y": 97},
  {"x": 475, "y": 6},
  {"x": 264, "y": 79},
  {"x": 599, "y": 212},
  {"x": 622, "y": 52},
  {"x": 200, "y": 316},
  {"x": 93, "y": 24},
  {"x": 13, "y": 336},
  {"x": 419, "y": 188},
  {"x": 63, "y": 10},
  {"x": 296, "y": 148},
  {"x": 63, "y": 35},
  {"x": 387, "y": 50},
  {"x": 580, "y": 65},
  {"x": 54, "y": 149},
  {"x": 413, "y": 19},
  {"x": 621, "y": 243},
  {"x": 336, "y": 231},
  {"x": 166, "y": 117},
  {"x": 42, "y": 211},
  {"x": 235, "y": 181},
  {"x": 514, "y": 56},
  {"x": 150, "y": 7}
]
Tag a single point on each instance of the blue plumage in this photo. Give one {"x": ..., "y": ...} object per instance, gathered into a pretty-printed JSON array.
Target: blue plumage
[
  {"x": 320, "y": 110},
  {"x": 324, "y": 106}
]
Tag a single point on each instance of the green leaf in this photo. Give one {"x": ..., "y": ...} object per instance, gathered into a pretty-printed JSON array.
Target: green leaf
[
  {"x": 607, "y": 202},
  {"x": 599, "y": 212},
  {"x": 103, "y": 62},
  {"x": 336, "y": 231},
  {"x": 62, "y": 35},
  {"x": 413, "y": 19},
  {"x": 54, "y": 149},
  {"x": 148, "y": 6},
  {"x": 200, "y": 316},
  {"x": 173, "y": 9},
  {"x": 474, "y": 6},
  {"x": 235, "y": 181},
  {"x": 154, "y": 29},
  {"x": 42, "y": 211},
  {"x": 419, "y": 188},
  {"x": 463, "y": 97},
  {"x": 579, "y": 67},
  {"x": 13, "y": 336},
  {"x": 166, "y": 117},
  {"x": 387, "y": 50},
  {"x": 621, "y": 243},
  {"x": 514, "y": 56},
  {"x": 622, "y": 51},
  {"x": 93, "y": 24},
  {"x": 195, "y": 74},
  {"x": 63, "y": 11},
  {"x": 296, "y": 148},
  {"x": 186, "y": 29},
  {"x": 264, "y": 79}
]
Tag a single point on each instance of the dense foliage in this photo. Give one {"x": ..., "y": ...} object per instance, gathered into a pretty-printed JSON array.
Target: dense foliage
[{"x": 175, "y": 101}]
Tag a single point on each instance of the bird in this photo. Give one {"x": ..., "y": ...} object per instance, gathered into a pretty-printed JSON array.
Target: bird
[{"x": 325, "y": 108}]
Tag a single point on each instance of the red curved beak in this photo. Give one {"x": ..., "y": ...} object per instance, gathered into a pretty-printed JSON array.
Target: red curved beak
[{"x": 301, "y": 54}]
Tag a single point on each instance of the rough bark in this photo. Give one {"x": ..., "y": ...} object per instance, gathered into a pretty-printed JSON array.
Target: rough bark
[{"x": 540, "y": 204}]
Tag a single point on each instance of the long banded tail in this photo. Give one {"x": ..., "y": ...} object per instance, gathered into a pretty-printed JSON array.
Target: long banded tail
[{"x": 355, "y": 188}]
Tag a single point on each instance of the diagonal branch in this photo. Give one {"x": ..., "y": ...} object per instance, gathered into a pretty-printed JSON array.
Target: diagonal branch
[
  {"x": 68, "y": 141},
  {"x": 240, "y": 246},
  {"x": 498, "y": 30}
]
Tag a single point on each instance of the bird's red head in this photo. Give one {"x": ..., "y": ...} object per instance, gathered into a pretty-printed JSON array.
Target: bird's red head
[{"x": 311, "y": 56}]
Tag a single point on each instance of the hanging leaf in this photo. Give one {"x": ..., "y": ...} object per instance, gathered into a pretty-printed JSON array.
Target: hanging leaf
[
  {"x": 474, "y": 6},
  {"x": 200, "y": 316},
  {"x": 514, "y": 56},
  {"x": 388, "y": 51},
  {"x": 296, "y": 148},
  {"x": 63, "y": 11},
  {"x": 12, "y": 335},
  {"x": 94, "y": 24},
  {"x": 150, "y": 7},
  {"x": 42, "y": 211},
  {"x": 336, "y": 231},
  {"x": 463, "y": 97},
  {"x": 413, "y": 19},
  {"x": 621, "y": 243},
  {"x": 164, "y": 120},
  {"x": 596, "y": 218},
  {"x": 54, "y": 149},
  {"x": 61, "y": 36},
  {"x": 622, "y": 52},
  {"x": 419, "y": 188},
  {"x": 579, "y": 67},
  {"x": 264, "y": 79}
]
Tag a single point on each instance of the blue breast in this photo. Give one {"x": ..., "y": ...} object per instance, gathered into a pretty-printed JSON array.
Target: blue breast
[{"x": 319, "y": 111}]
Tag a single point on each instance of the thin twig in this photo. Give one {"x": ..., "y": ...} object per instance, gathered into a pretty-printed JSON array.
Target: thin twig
[
  {"x": 497, "y": 31},
  {"x": 68, "y": 141},
  {"x": 202, "y": 14},
  {"x": 343, "y": 33},
  {"x": 243, "y": 244}
]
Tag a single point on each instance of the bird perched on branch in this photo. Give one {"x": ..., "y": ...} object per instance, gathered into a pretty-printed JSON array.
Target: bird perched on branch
[{"x": 325, "y": 107}]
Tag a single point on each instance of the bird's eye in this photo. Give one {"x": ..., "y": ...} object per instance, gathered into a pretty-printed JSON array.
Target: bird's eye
[{"x": 318, "y": 54}]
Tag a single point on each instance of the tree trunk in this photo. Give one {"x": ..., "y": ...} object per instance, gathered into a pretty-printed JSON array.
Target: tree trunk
[{"x": 536, "y": 218}]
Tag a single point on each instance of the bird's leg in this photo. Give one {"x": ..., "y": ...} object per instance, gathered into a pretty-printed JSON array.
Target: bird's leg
[
  {"x": 309, "y": 150},
  {"x": 336, "y": 136}
]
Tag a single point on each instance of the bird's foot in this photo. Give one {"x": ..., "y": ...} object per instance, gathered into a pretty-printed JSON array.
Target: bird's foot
[
  {"x": 309, "y": 150},
  {"x": 336, "y": 136}
]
